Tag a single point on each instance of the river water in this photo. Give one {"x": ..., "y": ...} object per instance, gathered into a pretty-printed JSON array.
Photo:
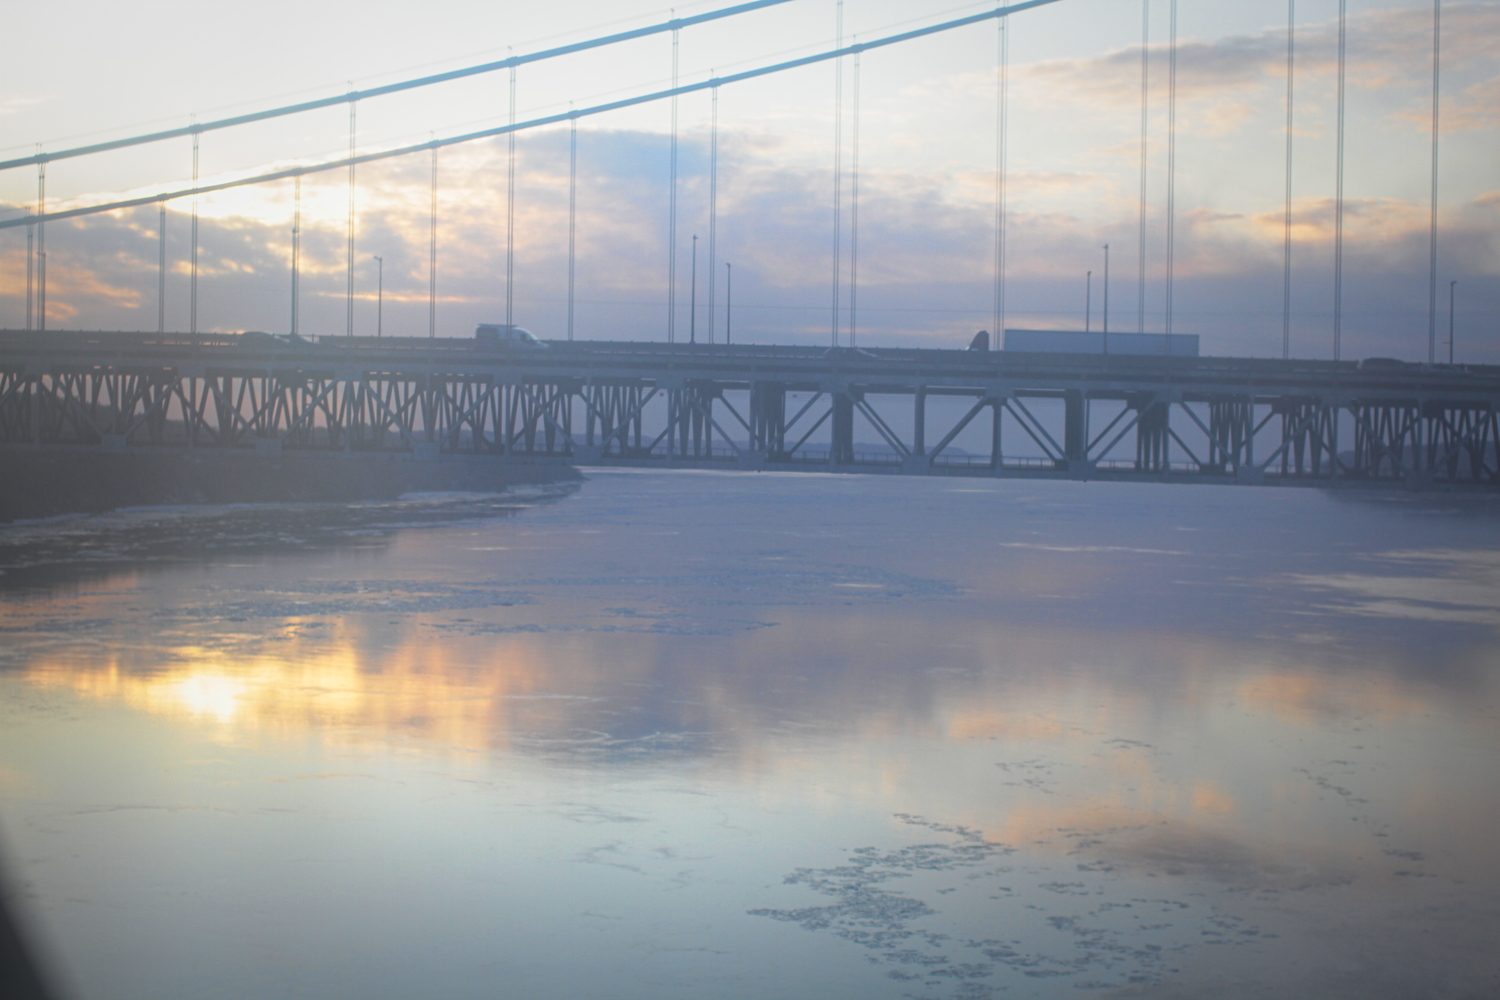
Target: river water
[{"x": 694, "y": 735}]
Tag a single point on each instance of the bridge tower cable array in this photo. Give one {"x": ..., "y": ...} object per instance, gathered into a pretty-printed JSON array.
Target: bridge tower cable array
[
  {"x": 541, "y": 122},
  {"x": 197, "y": 189},
  {"x": 510, "y": 62},
  {"x": 195, "y": 129}
]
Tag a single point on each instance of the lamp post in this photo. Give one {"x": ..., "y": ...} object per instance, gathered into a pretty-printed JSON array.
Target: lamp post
[
  {"x": 380, "y": 297},
  {"x": 728, "y": 291}
]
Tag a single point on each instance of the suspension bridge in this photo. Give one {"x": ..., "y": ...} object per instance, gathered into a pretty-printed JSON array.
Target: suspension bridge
[{"x": 718, "y": 405}]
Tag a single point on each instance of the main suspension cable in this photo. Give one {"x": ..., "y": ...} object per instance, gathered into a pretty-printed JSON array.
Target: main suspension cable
[
  {"x": 553, "y": 119},
  {"x": 390, "y": 88}
]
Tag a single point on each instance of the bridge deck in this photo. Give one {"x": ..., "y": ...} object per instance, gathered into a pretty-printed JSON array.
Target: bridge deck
[{"x": 1203, "y": 419}]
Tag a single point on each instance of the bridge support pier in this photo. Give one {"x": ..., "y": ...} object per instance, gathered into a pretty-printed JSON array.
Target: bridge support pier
[
  {"x": 1075, "y": 426},
  {"x": 997, "y": 454},
  {"x": 1152, "y": 437},
  {"x": 919, "y": 424},
  {"x": 841, "y": 448},
  {"x": 768, "y": 417}
]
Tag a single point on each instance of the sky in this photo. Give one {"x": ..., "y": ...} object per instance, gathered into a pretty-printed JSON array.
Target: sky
[{"x": 924, "y": 270}]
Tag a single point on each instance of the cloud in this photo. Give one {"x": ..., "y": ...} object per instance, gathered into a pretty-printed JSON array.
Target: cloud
[
  {"x": 1476, "y": 107},
  {"x": 926, "y": 253},
  {"x": 1384, "y": 49},
  {"x": 11, "y": 105}
]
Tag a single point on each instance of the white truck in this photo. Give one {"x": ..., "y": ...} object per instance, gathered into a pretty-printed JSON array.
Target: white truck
[{"x": 507, "y": 335}]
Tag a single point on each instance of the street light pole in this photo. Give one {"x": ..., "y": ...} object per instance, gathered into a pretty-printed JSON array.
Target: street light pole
[
  {"x": 380, "y": 297},
  {"x": 728, "y": 291},
  {"x": 693, "y": 297}
]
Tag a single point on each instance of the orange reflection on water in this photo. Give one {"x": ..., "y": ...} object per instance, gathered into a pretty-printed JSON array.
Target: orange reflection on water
[
  {"x": 448, "y": 694},
  {"x": 1310, "y": 698},
  {"x": 983, "y": 722}
]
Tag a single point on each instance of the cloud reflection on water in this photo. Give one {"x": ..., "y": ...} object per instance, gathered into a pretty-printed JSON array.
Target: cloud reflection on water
[{"x": 1117, "y": 714}]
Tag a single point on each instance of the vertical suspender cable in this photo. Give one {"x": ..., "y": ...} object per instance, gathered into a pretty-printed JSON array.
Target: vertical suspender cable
[
  {"x": 193, "y": 265},
  {"x": 1437, "y": 35},
  {"x": 510, "y": 209},
  {"x": 30, "y": 268},
  {"x": 1451, "y": 286},
  {"x": 349, "y": 234},
  {"x": 1171, "y": 166},
  {"x": 854, "y": 211},
  {"x": 572, "y": 215},
  {"x": 1106, "y": 299},
  {"x": 161, "y": 267},
  {"x": 1140, "y": 294},
  {"x": 1338, "y": 192},
  {"x": 1286, "y": 240},
  {"x": 192, "y": 273},
  {"x": 296, "y": 252},
  {"x": 432, "y": 253},
  {"x": 1002, "y": 85},
  {"x": 713, "y": 205},
  {"x": 672, "y": 211},
  {"x": 41, "y": 238},
  {"x": 838, "y": 168}
]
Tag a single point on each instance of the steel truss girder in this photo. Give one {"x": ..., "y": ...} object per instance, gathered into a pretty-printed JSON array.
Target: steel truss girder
[{"x": 1249, "y": 436}]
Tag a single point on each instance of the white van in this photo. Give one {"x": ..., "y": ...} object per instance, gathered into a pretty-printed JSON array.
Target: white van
[{"x": 506, "y": 335}]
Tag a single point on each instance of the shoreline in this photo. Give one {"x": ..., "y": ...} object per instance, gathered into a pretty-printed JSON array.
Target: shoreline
[{"x": 37, "y": 484}]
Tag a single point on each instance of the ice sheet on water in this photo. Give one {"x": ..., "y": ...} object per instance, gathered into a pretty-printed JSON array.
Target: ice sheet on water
[{"x": 1110, "y": 936}]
